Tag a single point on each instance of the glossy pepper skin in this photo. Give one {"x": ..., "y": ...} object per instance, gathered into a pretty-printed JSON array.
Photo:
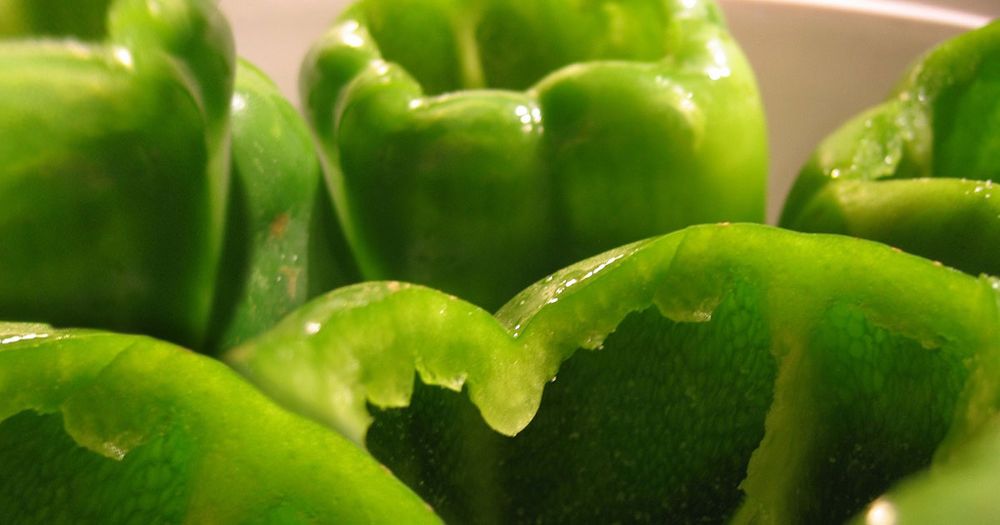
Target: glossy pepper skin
[
  {"x": 97, "y": 427},
  {"x": 918, "y": 171},
  {"x": 114, "y": 135},
  {"x": 477, "y": 145},
  {"x": 726, "y": 372},
  {"x": 283, "y": 243}
]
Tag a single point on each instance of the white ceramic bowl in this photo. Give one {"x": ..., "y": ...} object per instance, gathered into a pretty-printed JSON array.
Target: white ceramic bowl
[{"x": 817, "y": 61}]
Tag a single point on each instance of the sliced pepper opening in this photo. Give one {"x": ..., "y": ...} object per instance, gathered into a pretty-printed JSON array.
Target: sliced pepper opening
[
  {"x": 657, "y": 425},
  {"x": 731, "y": 371},
  {"x": 98, "y": 427}
]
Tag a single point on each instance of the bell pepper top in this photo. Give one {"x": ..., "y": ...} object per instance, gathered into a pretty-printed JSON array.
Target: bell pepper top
[{"x": 459, "y": 134}]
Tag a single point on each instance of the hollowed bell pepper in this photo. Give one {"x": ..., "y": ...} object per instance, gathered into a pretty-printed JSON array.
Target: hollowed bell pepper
[
  {"x": 113, "y": 162},
  {"x": 105, "y": 428},
  {"x": 476, "y": 146},
  {"x": 918, "y": 171},
  {"x": 730, "y": 371}
]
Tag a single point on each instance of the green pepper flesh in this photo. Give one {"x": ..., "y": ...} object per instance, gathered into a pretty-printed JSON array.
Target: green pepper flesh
[
  {"x": 708, "y": 374},
  {"x": 115, "y": 428}
]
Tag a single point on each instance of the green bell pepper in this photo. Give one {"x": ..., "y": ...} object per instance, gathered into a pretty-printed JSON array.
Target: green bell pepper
[
  {"x": 114, "y": 135},
  {"x": 283, "y": 242},
  {"x": 917, "y": 171},
  {"x": 476, "y": 146},
  {"x": 105, "y": 428},
  {"x": 721, "y": 372},
  {"x": 114, "y": 219}
]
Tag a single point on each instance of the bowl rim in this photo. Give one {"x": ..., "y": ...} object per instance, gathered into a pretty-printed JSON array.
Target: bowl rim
[{"x": 897, "y": 9}]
